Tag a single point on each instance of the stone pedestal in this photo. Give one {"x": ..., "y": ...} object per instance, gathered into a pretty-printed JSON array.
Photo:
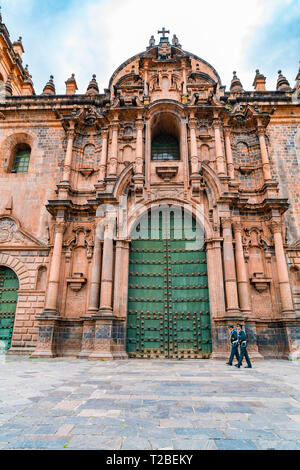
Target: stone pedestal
[
  {"x": 47, "y": 338},
  {"x": 109, "y": 340},
  {"x": 88, "y": 333}
]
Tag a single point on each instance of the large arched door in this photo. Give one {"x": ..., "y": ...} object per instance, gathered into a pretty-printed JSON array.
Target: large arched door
[
  {"x": 9, "y": 285},
  {"x": 168, "y": 304}
]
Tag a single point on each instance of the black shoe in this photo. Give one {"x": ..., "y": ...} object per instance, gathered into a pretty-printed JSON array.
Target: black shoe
[
  {"x": 237, "y": 365},
  {"x": 228, "y": 363},
  {"x": 248, "y": 367}
]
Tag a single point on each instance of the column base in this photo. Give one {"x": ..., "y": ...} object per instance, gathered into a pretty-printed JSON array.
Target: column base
[
  {"x": 232, "y": 315},
  {"x": 43, "y": 354},
  {"x": 47, "y": 337},
  {"x": 49, "y": 313},
  {"x": 288, "y": 315},
  {"x": 109, "y": 338}
]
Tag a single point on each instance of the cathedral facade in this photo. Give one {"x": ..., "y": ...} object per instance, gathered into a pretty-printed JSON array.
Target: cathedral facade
[{"x": 140, "y": 222}]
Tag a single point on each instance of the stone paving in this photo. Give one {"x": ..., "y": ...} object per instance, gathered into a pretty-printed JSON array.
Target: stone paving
[{"x": 68, "y": 403}]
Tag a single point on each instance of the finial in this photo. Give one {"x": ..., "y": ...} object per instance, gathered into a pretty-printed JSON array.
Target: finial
[
  {"x": 93, "y": 88},
  {"x": 152, "y": 41},
  {"x": 236, "y": 85},
  {"x": 71, "y": 85},
  {"x": 50, "y": 87},
  {"x": 282, "y": 83}
]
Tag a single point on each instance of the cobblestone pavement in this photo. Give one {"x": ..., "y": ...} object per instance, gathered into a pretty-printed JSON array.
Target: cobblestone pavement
[{"x": 68, "y": 403}]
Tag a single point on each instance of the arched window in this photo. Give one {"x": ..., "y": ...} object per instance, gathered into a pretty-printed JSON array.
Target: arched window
[
  {"x": 165, "y": 147},
  {"x": 21, "y": 159}
]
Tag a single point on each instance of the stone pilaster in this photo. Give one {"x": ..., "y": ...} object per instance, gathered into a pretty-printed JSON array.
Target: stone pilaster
[
  {"x": 229, "y": 158},
  {"x": 68, "y": 157},
  {"x": 242, "y": 276},
  {"x": 282, "y": 269},
  {"x": 113, "y": 159},
  {"x": 229, "y": 269},
  {"x": 219, "y": 148},
  {"x": 103, "y": 160},
  {"x": 54, "y": 275},
  {"x": 264, "y": 153}
]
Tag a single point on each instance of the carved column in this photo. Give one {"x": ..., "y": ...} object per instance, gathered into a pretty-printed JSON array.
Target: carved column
[
  {"x": 113, "y": 160},
  {"x": 229, "y": 269},
  {"x": 184, "y": 151},
  {"x": 94, "y": 293},
  {"x": 121, "y": 278},
  {"x": 219, "y": 148},
  {"x": 264, "y": 153},
  {"x": 148, "y": 144},
  {"x": 68, "y": 157},
  {"x": 242, "y": 276},
  {"x": 230, "y": 165},
  {"x": 194, "y": 149},
  {"x": 54, "y": 275},
  {"x": 215, "y": 278},
  {"x": 139, "y": 160},
  {"x": 146, "y": 91},
  {"x": 103, "y": 158},
  {"x": 283, "y": 276},
  {"x": 107, "y": 268},
  {"x": 184, "y": 73}
]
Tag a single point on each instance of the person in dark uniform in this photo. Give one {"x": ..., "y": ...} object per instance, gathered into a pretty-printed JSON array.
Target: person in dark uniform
[
  {"x": 234, "y": 344},
  {"x": 243, "y": 344}
]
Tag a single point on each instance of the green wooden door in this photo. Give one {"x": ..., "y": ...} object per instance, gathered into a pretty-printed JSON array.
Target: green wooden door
[
  {"x": 9, "y": 286},
  {"x": 168, "y": 304}
]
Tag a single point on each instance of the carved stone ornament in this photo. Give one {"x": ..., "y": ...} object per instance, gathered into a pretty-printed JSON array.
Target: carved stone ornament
[
  {"x": 77, "y": 281},
  {"x": 9, "y": 232},
  {"x": 166, "y": 173},
  {"x": 260, "y": 282}
]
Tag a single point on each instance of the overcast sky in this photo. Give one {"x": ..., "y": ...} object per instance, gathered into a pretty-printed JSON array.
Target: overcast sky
[{"x": 84, "y": 37}]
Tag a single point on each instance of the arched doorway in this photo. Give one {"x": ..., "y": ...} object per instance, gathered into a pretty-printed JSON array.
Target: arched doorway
[
  {"x": 168, "y": 301},
  {"x": 9, "y": 285}
]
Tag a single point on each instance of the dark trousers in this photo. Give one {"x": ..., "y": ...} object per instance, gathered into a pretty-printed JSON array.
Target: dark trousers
[
  {"x": 234, "y": 352},
  {"x": 244, "y": 354}
]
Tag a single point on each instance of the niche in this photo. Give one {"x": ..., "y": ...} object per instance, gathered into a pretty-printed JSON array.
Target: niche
[{"x": 41, "y": 281}]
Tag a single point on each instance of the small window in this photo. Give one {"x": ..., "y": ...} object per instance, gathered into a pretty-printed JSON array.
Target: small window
[
  {"x": 165, "y": 147},
  {"x": 21, "y": 160}
]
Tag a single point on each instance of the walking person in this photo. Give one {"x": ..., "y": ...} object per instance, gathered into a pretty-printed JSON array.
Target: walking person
[
  {"x": 243, "y": 344},
  {"x": 234, "y": 344}
]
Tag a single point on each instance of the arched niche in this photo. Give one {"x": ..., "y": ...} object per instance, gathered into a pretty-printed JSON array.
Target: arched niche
[{"x": 165, "y": 132}]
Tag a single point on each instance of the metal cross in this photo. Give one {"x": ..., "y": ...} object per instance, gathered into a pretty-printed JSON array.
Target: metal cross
[{"x": 163, "y": 32}]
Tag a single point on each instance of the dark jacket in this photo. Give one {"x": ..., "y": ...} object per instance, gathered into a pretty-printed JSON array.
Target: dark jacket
[
  {"x": 233, "y": 335},
  {"x": 242, "y": 337}
]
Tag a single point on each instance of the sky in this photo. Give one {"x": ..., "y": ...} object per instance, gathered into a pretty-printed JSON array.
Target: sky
[{"x": 87, "y": 37}]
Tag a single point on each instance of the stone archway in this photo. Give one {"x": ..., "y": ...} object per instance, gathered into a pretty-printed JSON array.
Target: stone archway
[{"x": 168, "y": 296}]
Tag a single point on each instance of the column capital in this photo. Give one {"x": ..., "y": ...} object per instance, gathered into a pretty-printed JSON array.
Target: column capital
[
  {"x": 192, "y": 123},
  {"x": 217, "y": 122},
  {"x": 276, "y": 226},
  {"x": 227, "y": 131},
  {"x": 226, "y": 222},
  {"x": 70, "y": 133},
  {"x": 60, "y": 226},
  {"x": 261, "y": 130},
  {"x": 115, "y": 125},
  {"x": 237, "y": 226},
  {"x": 139, "y": 124},
  {"x": 104, "y": 132}
]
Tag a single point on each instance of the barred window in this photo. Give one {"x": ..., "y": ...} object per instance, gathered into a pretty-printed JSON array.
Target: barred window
[
  {"x": 165, "y": 147},
  {"x": 22, "y": 158}
]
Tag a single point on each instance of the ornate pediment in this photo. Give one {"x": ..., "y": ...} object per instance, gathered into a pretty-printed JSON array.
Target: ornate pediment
[{"x": 11, "y": 234}]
